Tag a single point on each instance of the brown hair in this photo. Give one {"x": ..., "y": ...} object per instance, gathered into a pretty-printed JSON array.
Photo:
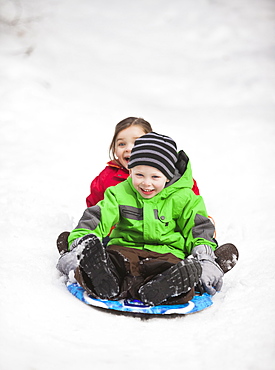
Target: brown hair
[{"x": 125, "y": 123}]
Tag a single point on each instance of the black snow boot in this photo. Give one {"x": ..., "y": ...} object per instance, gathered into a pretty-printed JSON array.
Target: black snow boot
[
  {"x": 96, "y": 263},
  {"x": 176, "y": 280},
  {"x": 227, "y": 256}
]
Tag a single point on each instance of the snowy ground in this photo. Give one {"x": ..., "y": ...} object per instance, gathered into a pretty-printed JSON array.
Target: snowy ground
[{"x": 200, "y": 71}]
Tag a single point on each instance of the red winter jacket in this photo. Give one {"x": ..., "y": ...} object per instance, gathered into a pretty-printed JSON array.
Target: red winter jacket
[{"x": 112, "y": 174}]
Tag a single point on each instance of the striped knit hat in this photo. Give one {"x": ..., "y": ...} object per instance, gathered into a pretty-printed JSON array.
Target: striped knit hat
[{"x": 155, "y": 150}]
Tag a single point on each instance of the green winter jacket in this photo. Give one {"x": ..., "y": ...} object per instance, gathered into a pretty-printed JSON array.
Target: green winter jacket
[{"x": 174, "y": 221}]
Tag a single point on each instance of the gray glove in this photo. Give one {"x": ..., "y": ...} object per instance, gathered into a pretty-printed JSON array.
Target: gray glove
[
  {"x": 69, "y": 261},
  {"x": 211, "y": 277}
]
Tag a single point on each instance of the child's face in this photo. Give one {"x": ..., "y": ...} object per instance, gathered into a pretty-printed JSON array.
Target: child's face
[
  {"x": 124, "y": 143},
  {"x": 147, "y": 180}
]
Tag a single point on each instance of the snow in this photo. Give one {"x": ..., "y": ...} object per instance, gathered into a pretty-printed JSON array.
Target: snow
[{"x": 200, "y": 71}]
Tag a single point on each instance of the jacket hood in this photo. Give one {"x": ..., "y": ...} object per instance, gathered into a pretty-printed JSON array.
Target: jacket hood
[
  {"x": 183, "y": 173},
  {"x": 179, "y": 180},
  {"x": 116, "y": 164}
]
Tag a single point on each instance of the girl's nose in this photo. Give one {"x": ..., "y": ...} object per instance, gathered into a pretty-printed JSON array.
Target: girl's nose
[{"x": 129, "y": 147}]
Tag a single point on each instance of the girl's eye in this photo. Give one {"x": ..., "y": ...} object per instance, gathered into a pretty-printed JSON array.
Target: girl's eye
[{"x": 121, "y": 144}]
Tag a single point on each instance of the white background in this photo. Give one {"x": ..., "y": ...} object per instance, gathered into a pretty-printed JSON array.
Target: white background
[{"x": 199, "y": 71}]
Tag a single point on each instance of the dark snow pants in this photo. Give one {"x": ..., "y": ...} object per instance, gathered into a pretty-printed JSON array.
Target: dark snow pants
[{"x": 133, "y": 268}]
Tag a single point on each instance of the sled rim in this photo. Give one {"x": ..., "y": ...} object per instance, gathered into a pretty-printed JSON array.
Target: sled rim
[{"x": 196, "y": 304}]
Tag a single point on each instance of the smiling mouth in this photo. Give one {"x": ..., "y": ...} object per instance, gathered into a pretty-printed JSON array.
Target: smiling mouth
[{"x": 147, "y": 190}]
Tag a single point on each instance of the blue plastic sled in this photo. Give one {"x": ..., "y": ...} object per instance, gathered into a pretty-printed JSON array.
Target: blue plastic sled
[{"x": 133, "y": 306}]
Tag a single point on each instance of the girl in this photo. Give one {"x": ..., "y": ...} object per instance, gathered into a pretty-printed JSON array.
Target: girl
[
  {"x": 159, "y": 223},
  {"x": 116, "y": 171}
]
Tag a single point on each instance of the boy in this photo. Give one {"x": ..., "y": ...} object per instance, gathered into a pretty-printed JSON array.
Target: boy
[{"x": 162, "y": 245}]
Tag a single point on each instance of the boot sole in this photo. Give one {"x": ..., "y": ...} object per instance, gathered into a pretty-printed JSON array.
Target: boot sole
[
  {"x": 169, "y": 284},
  {"x": 94, "y": 262}
]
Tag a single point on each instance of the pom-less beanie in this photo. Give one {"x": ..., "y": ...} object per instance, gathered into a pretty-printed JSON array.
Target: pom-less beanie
[{"x": 155, "y": 150}]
